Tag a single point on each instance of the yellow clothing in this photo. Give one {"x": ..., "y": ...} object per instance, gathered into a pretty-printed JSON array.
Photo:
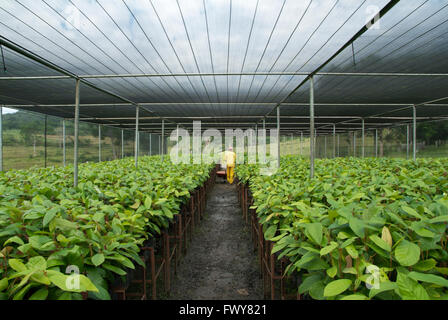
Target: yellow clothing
[
  {"x": 229, "y": 159},
  {"x": 230, "y": 174}
]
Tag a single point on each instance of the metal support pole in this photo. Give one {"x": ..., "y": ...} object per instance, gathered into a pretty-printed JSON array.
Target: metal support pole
[
  {"x": 376, "y": 143},
  {"x": 278, "y": 135},
  {"x": 122, "y": 144},
  {"x": 64, "y": 156},
  {"x": 1, "y": 138},
  {"x": 354, "y": 143},
  {"x": 334, "y": 141},
  {"x": 312, "y": 127},
  {"x": 407, "y": 142},
  {"x": 301, "y": 143},
  {"x": 291, "y": 144},
  {"x": 137, "y": 119},
  {"x": 150, "y": 144},
  {"x": 160, "y": 149},
  {"x": 325, "y": 146},
  {"x": 338, "y": 147},
  {"x": 45, "y": 141},
  {"x": 363, "y": 139},
  {"x": 75, "y": 161},
  {"x": 163, "y": 139},
  {"x": 414, "y": 134},
  {"x": 264, "y": 124},
  {"x": 99, "y": 143},
  {"x": 256, "y": 141}
]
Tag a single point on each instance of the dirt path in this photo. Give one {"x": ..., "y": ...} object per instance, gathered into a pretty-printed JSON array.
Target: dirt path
[{"x": 220, "y": 262}]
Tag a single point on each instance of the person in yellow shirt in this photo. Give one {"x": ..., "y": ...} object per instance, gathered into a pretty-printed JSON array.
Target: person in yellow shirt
[{"x": 229, "y": 159}]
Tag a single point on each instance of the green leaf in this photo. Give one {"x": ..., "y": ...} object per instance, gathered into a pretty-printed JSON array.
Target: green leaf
[
  {"x": 17, "y": 265},
  {"x": 439, "y": 219},
  {"x": 112, "y": 268},
  {"x": 40, "y": 294},
  {"x": 326, "y": 250},
  {"x": 14, "y": 239},
  {"x": 39, "y": 242},
  {"x": 22, "y": 292},
  {"x": 337, "y": 287},
  {"x": 308, "y": 283},
  {"x": 430, "y": 278},
  {"x": 380, "y": 243},
  {"x": 3, "y": 284},
  {"x": 148, "y": 202},
  {"x": 384, "y": 286},
  {"x": 86, "y": 284},
  {"x": 61, "y": 281},
  {"x": 37, "y": 263},
  {"x": 355, "y": 297},
  {"x": 98, "y": 259},
  {"x": 270, "y": 232},
  {"x": 314, "y": 232},
  {"x": 49, "y": 216},
  {"x": 352, "y": 251},
  {"x": 425, "y": 265},
  {"x": 407, "y": 253},
  {"x": 357, "y": 226},
  {"x": 409, "y": 289},
  {"x": 411, "y": 212},
  {"x": 331, "y": 272}
]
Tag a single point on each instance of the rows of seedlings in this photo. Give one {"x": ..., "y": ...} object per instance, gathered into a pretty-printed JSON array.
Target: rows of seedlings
[
  {"x": 361, "y": 229},
  {"x": 119, "y": 226}
]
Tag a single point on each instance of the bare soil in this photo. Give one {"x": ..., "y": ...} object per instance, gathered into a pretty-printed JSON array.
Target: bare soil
[{"x": 220, "y": 262}]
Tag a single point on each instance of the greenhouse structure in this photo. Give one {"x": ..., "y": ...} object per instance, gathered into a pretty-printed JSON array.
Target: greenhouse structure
[{"x": 342, "y": 81}]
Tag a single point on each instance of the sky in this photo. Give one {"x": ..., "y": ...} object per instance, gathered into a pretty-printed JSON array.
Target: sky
[{"x": 8, "y": 110}]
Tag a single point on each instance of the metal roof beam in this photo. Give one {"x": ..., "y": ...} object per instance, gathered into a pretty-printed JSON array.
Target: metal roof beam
[{"x": 163, "y": 75}]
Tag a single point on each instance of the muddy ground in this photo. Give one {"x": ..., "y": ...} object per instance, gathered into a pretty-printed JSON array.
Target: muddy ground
[{"x": 220, "y": 262}]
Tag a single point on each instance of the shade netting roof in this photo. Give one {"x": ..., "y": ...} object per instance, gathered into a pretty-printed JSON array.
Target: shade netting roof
[{"x": 228, "y": 63}]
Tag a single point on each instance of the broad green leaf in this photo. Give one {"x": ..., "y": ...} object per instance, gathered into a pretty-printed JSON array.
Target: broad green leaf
[
  {"x": 425, "y": 265},
  {"x": 407, "y": 253},
  {"x": 331, "y": 272},
  {"x": 409, "y": 289},
  {"x": 308, "y": 283},
  {"x": 49, "y": 216},
  {"x": 352, "y": 251},
  {"x": 355, "y": 297},
  {"x": 439, "y": 219},
  {"x": 112, "y": 268},
  {"x": 314, "y": 232},
  {"x": 37, "y": 263},
  {"x": 3, "y": 284},
  {"x": 380, "y": 243},
  {"x": 384, "y": 286},
  {"x": 98, "y": 259},
  {"x": 430, "y": 278},
  {"x": 14, "y": 239},
  {"x": 329, "y": 248},
  {"x": 357, "y": 226},
  {"x": 148, "y": 203},
  {"x": 411, "y": 212},
  {"x": 337, "y": 287},
  {"x": 270, "y": 232},
  {"x": 86, "y": 284},
  {"x": 17, "y": 265},
  {"x": 40, "y": 294},
  {"x": 19, "y": 295}
]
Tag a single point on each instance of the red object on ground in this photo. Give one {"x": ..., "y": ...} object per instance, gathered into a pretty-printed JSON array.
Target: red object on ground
[{"x": 221, "y": 173}]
